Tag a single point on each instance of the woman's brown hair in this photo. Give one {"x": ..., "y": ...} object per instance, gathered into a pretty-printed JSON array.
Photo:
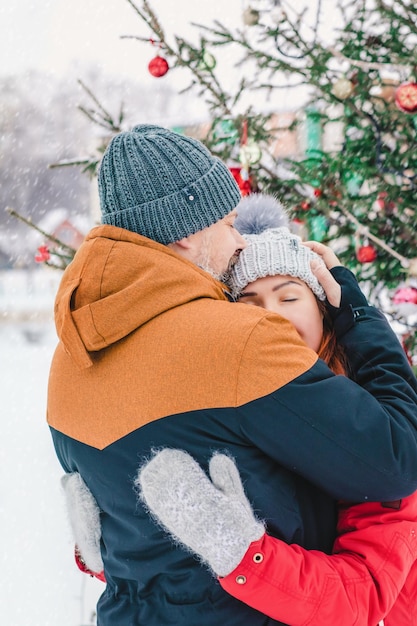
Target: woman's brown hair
[{"x": 330, "y": 351}]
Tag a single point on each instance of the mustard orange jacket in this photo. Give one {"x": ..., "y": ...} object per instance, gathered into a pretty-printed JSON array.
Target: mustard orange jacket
[{"x": 152, "y": 354}]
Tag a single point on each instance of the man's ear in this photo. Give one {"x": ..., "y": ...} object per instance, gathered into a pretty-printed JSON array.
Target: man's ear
[
  {"x": 183, "y": 247},
  {"x": 188, "y": 247},
  {"x": 184, "y": 243}
]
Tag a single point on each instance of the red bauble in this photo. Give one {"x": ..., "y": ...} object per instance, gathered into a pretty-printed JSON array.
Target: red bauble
[
  {"x": 305, "y": 205},
  {"x": 244, "y": 183},
  {"x": 366, "y": 254},
  {"x": 43, "y": 254},
  {"x": 405, "y": 294},
  {"x": 318, "y": 192},
  {"x": 158, "y": 66},
  {"x": 406, "y": 97}
]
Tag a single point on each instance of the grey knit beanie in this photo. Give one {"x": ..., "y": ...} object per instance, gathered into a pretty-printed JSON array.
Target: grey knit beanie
[
  {"x": 272, "y": 249},
  {"x": 163, "y": 185}
]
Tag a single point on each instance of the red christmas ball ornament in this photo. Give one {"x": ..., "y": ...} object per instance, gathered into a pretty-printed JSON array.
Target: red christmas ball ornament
[
  {"x": 43, "y": 254},
  {"x": 405, "y": 294},
  {"x": 158, "y": 66},
  {"x": 244, "y": 183},
  {"x": 318, "y": 192},
  {"x": 366, "y": 254},
  {"x": 384, "y": 203},
  {"x": 406, "y": 97},
  {"x": 305, "y": 205}
]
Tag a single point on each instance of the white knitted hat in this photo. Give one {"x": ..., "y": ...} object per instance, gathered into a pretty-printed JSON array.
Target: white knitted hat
[{"x": 272, "y": 249}]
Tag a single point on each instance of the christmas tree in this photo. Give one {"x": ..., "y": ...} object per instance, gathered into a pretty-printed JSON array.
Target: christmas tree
[{"x": 352, "y": 181}]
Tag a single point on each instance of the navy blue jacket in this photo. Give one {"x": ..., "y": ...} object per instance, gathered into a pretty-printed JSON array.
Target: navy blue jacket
[{"x": 152, "y": 354}]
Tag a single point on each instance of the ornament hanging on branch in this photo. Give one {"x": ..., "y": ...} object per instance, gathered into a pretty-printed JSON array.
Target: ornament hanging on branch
[
  {"x": 224, "y": 131},
  {"x": 405, "y": 294},
  {"x": 250, "y": 154},
  {"x": 319, "y": 227},
  {"x": 244, "y": 182},
  {"x": 207, "y": 61},
  {"x": 366, "y": 253},
  {"x": 343, "y": 88},
  {"x": 406, "y": 97},
  {"x": 43, "y": 254},
  {"x": 158, "y": 66},
  {"x": 305, "y": 205},
  {"x": 250, "y": 16}
]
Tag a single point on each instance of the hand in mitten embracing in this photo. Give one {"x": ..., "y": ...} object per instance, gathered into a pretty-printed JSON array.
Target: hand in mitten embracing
[
  {"x": 84, "y": 518},
  {"x": 213, "y": 518}
]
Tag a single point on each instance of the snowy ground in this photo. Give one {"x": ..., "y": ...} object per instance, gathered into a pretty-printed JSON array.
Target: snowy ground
[{"x": 41, "y": 585}]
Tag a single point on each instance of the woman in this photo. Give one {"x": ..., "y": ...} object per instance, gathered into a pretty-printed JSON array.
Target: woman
[{"x": 376, "y": 547}]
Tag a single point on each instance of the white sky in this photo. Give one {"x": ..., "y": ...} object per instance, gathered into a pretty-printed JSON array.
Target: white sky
[
  {"x": 53, "y": 35},
  {"x": 57, "y": 35}
]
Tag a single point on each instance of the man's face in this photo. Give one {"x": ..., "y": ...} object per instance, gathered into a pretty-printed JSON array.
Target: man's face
[{"x": 218, "y": 245}]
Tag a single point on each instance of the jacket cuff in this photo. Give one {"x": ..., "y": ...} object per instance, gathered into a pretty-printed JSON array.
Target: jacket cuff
[{"x": 347, "y": 318}]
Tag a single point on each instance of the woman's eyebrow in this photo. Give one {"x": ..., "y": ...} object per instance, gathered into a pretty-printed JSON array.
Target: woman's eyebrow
[
  {"x": 276, "y": 288},
  {"x": 287, "y": 282}
]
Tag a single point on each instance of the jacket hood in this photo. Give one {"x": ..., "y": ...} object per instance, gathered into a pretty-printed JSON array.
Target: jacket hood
[{"x": 118, "y": 281}]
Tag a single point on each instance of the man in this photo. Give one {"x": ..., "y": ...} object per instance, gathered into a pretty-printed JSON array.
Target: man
[{"x": 153, "y": 354}]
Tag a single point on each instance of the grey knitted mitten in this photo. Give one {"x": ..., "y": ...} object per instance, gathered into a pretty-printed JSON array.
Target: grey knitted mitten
[
  {"x": 213, "y": 519},
  {"x": 84, "y": 518}
]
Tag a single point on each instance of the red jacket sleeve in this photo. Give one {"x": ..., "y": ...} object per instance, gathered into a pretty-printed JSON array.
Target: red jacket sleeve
[
  {"x": 404, "y": 611},
  {"x": 357, "y": 585}
]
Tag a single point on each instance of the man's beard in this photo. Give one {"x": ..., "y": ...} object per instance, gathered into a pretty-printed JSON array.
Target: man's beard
[
  {"x": 207, "y": 268},
  {"x": 205, "y": 262},
  {"x": 224, "y": 276}
]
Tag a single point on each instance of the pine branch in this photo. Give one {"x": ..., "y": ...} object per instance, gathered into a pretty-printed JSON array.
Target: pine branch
[
  {"x": 364, "y": 230},
  {"x": 105, "y": 113},
  {"x": 367, "y": 65},
  {"x": 101, "y": 116},
  {"x": 47, "y": 236},
  {"x": 70, "y": 162}
]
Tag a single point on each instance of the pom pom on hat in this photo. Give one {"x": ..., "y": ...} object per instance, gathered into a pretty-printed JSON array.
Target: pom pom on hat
[
  {"x": 272, "y": 249},
  {"x": 259, "y": 212},
  {"x": 163, "y": 185}
]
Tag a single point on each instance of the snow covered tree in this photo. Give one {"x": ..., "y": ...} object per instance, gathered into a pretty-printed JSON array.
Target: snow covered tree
[{"x": 353, "y": 179}]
